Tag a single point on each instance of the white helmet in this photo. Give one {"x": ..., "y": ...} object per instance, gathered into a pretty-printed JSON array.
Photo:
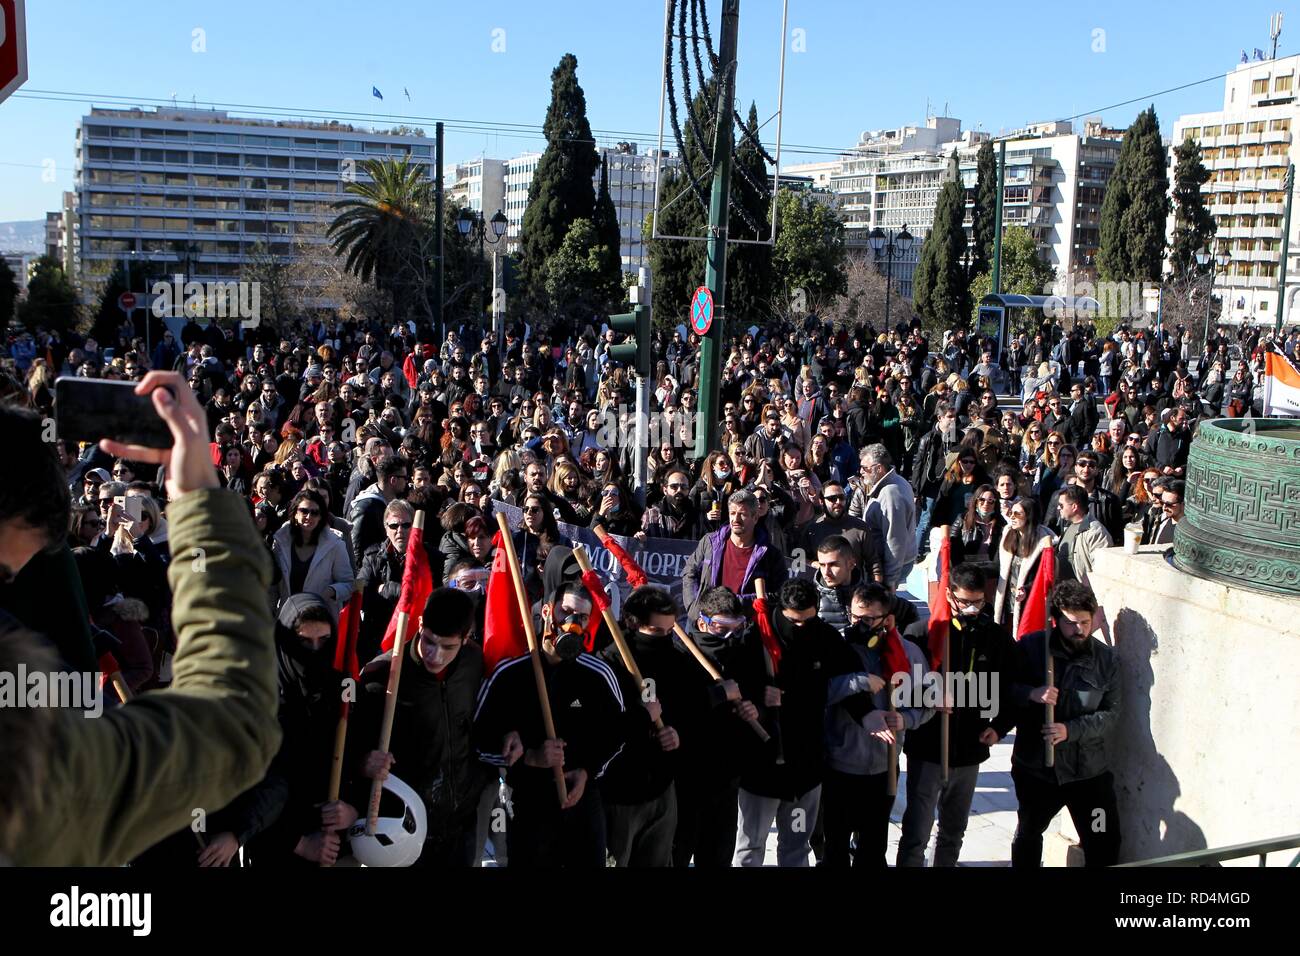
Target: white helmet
[{"x": 397, "y": 840}]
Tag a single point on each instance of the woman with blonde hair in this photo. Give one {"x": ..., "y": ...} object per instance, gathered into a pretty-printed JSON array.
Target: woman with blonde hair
[
  {"x": 40, "y": 386},
  {"x": 1023, "y": 543}
]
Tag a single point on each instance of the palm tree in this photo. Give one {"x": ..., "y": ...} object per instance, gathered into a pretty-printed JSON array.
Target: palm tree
[{"x": 385, "y": 230}]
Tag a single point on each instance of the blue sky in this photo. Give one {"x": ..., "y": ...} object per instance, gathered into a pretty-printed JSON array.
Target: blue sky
[{"x": 861, "y": 65}]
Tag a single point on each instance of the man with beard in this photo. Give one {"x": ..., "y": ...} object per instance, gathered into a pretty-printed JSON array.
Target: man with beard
[
  {"x": 637, "y": 791},
  {"x": 733, "y": 556},
  {"x": 984, "y": 655},
  {"x": 860, "y": 726},
  {"x": 431, "y": 747},
  {"x": 835, "y": 520},
  {"x": 297, "y": 830},
  {"x": 811, "y": 654},
  {"x": 715, "y": 741},
  {"x": 535, "y": 484},
  {"x": 673, "y": 516},
  {"x": 1086, "y": 693},
  {"x": 588, "y": 709}
]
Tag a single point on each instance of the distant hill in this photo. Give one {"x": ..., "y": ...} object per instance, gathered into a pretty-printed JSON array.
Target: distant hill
[{"x": 23, "y": 236}]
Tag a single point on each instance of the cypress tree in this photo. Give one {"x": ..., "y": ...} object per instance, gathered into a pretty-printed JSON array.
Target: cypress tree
[
  {"x": 561, "y": 191},
  {"x": 1136, "y": 206},
  {"x": 984, "y": 216},
  {"x": 1194, "y": 226},
  {"x": 609, "y": 234},
  {"x": 940, "y": 287}
]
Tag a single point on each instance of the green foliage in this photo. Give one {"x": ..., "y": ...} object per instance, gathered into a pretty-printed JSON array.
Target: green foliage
[
  {"x": 1135, "y": 207},
  {"x": 1194, "y": 226},
  {"x": 749, "y": 267},
  {"x": 108, "y": 317},
  {"x": 561, "y": 191},
  {"x": 578, "y": 282},
  {"x": 8, "y": 293},
  {"x": 51, "y": 300},
  {"x": 609, "y": 236},
  {"x": 384, "y": 231},
  {"x": 1023, "y": 270},
  {"x": 984, "y": 215},
  {"x": 939, "y": 285},
  {"x": 810, "y": 251}
]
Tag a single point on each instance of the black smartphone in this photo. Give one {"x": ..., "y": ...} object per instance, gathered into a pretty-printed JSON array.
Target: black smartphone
[{"x": 88, "y": 409}]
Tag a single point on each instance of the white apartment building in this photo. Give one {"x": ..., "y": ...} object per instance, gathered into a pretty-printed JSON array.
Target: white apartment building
[
  {"x": 632, "y": 177},
  {"x": 1053, "y": 186},
  {"x": 480, "y": 184},
  {"x": 194, "y": 190},
  {"x": 1247, "y": 146}
]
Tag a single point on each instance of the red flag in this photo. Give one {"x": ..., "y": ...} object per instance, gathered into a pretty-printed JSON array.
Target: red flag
[
  {"x": 503, "y": 627},
  {"x": 940, "y": 610},
  {"x": 599, "y": 601},
  {"x": 766, "y": 634},
  {"x": 417, "y": 585},
  {"x": 1034, "y": 616},
  {"x": 410, "y": 371},
  {"x": 894, "y": 656},
  {"x": 635, "y": 576},
  {"x": 345, "y": 651}
]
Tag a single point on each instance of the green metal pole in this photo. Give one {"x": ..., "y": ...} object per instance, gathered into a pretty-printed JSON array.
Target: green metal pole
[
  {"x": 715, "y": 271},
  {"x": 997, "y": 220},
  {"x": 1286, "y": 244},
  {"x": 437, "y": 239}
]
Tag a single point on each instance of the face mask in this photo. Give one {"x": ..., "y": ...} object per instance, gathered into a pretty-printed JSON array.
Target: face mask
[
  {"x": 984, "y": 512},
  {"x": 722, "y": 474}
]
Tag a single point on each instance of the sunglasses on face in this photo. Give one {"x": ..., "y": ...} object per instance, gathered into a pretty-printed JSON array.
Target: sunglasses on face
[
  {"x": 399, "y": 525},
  {"x": 532, "y": 510},
  {"x": 309, "y": 512},
  {"x": 839, "y": 497}
]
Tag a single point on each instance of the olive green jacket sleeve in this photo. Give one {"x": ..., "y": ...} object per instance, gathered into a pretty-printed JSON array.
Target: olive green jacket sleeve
[{"x": 118, "y": 783}]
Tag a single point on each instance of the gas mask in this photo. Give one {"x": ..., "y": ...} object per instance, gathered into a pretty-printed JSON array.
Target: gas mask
[{"x": 569, "y": 636}]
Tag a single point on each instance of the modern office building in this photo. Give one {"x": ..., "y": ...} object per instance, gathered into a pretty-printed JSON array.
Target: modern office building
[
  {"x": 1247, "y": 146},
  {"x": 480, "y": 184},
  {"x": 197, "y": 191}
]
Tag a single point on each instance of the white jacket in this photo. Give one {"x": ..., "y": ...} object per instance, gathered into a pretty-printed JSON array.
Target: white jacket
[
  {"x": 1007, "y": 587},
  {"x": 329, "y": 568}
]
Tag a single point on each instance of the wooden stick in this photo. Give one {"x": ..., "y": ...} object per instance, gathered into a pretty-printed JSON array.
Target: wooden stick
[
  {"x": 1050, "y": 756},
  {"x": 891, "y": 785},
  {"x": 716, "y": 674},
  {"x": 616, "y": 632},
  {"x": 944, "y": 725},
  {"x": 119, "y": 685},
  {"x": 526, "y": 612},
  {"x": 336, "y": 764},
  {"x": 390, "y": 699},
  {"x": 760, "y": 589}
]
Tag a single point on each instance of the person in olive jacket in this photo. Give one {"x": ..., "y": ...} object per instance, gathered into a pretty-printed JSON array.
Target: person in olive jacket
[{"x": 1086, "y": 695}]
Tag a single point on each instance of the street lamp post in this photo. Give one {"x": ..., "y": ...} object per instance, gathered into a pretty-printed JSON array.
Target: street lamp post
[
  {"x": 1220, "y": 259},
  {"x": 889, "y": 246},
  {"x": 469, "y": 222}
]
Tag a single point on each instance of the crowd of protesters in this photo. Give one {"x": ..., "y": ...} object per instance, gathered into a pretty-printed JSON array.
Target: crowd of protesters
[{"x": 839, "y": 451}]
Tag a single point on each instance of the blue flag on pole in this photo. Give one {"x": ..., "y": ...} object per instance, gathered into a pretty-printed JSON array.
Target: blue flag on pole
[{"x": 374, "y": 91}]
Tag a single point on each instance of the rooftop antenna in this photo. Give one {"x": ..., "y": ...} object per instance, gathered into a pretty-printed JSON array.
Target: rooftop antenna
[{"x": 1275, "y": 31}]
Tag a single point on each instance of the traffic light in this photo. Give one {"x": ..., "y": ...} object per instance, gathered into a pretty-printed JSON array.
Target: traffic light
[{"x": 637, "y": 353}]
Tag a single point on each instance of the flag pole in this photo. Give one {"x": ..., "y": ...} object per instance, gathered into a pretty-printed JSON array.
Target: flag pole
[
  {"x": 1050, "y": 756},
  {"x": 390, "y": 696},
  {"x": 119, "y": 685},
  {"x": 716, "y": 674},
  {"x": 944, "y": 727},
  {"x": 760, "y": 589},
  {"x": 616, "y": 632},
  {"x": 526, "y": 612},
  {"x": 891, "y": 785}
]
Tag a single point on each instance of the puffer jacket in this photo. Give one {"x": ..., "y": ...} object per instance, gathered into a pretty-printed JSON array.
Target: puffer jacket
[
  {"x": 833, "y": 602},
  {"x": 329, "y": 568}
]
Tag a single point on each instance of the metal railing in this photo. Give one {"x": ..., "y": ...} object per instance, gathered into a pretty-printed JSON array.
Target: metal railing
[{"x": 1260, "y": 848}]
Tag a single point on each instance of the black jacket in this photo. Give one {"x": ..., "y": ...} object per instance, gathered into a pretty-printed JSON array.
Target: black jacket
[
  {"x": 588, "y": 707},
  {"x": 985, "y": 651},
  {"x": 642, "y": 770},
  {"x": 810, "y": 657},
  {"x": 927, "y": 469},
  {"x": 1088, "y": 705},
  {"x": 431, "y": 739}
]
